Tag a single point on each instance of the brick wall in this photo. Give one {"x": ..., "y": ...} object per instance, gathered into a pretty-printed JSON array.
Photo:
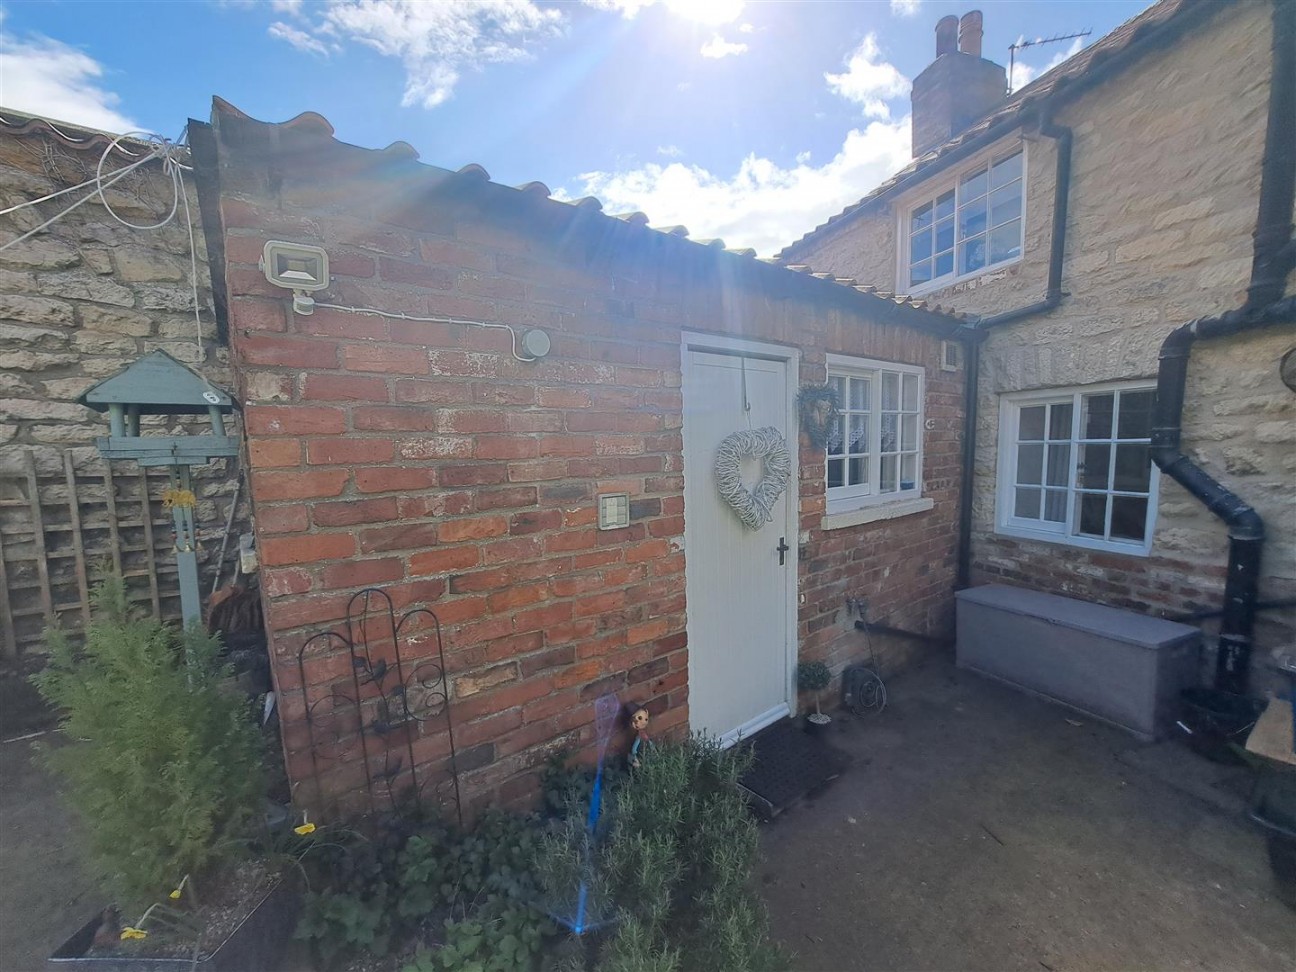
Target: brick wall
[
  {"x": 1165, "y": 179},
  {"x": 424, "y": 458}
]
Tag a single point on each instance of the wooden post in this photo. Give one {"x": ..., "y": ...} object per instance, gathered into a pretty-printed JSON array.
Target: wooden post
[
  {"x": 147, "y": 514},
  {"x": 10, "y": 643},
  {"x": 114, "y": 535},
  {"x": 78, "y": 543},
  {"x": 38, "y": 538}
]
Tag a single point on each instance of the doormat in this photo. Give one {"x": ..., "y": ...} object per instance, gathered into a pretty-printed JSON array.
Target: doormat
[{"x": 788, "y": 765}]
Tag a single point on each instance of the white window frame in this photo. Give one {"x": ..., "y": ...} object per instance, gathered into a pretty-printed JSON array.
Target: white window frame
[
  {"x": 929, "y": 192},
  {"x": 846, "y": 499},
  {"x": 1007, "y": 524}
]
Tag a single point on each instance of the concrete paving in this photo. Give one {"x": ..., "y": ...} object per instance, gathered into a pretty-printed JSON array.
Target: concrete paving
[{"x": 982, "y": 828}]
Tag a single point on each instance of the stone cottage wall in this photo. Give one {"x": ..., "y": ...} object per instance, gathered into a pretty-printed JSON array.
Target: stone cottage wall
[
  {"x": 425, "y": 459},
  {"x": 78, "y": 302},
  {"x": 1165, "y": 179}
]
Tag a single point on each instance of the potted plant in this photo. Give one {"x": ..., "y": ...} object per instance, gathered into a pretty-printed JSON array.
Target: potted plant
[
  {"x": 162, "y": 761},
  {"x": 814, "y": 677}
]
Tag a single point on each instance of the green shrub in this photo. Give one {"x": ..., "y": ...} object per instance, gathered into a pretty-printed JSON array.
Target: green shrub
[{"x": 162, "y": 762}]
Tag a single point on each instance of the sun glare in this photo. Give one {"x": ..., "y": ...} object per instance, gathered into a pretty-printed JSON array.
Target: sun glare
[{"x": 713, "y": 13}]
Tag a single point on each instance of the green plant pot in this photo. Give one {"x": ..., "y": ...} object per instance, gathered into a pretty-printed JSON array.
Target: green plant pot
[{"x": 255, "y": 945}]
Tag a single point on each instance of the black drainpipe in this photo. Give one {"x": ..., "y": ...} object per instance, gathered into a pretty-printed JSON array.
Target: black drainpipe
[
  {"x": 1052, "y": 297},
  {"x": 1270, "y": 266}
]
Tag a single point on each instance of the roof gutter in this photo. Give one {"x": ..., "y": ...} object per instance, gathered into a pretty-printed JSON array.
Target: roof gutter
[{"x": 1273, "y": 248}]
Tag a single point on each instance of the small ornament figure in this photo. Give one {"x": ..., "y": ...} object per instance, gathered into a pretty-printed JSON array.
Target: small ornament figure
[{"x": 639, "y": 726}]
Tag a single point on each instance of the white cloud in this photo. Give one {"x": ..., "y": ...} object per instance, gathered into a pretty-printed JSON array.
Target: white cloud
[
  {"x": 868, "y": 80},
  {"x": 1023, "y": 74},
  {"x": 711, "y": 12},
  {"x": 745, "y": 28},
  {"x": 670, "y": 151},
  {"x": 434, "y": 41},
  {"x": 762, "y": 205},
  {"x": 290, "y": 7},
  {"x": 905, "y": 8},
  {"x": 47, "y": 77},
  {"x": 718, "y": 47},
  {"x": 297, "y": 38}
]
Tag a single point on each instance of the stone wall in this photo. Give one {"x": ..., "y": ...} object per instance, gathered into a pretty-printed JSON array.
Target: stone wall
[
  {"x": 79, "y": 302},
  {"x": 1166, "y": 174},
  {"x": 422, "y": 457}
]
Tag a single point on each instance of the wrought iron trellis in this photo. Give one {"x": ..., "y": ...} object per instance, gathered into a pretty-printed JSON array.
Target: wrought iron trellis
[{"x": 386, "y": 710}]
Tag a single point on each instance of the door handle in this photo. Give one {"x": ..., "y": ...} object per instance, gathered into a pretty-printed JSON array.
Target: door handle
[{"x": 782, "y": 549}]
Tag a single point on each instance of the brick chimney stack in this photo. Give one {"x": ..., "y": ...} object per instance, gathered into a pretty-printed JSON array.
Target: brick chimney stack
[{"x": 958, "y": 87}]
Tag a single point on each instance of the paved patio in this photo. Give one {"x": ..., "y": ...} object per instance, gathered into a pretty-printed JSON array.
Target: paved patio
[{"x": 981, "y": 828}]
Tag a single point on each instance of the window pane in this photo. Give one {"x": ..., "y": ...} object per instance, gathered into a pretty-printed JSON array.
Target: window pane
[
  {"x": 945, "y": 264},
  {"x": 945, "y": 235},
  {"x": 836, "y": 469},
  {"x": 920, "y": 247},
  {"x": 921, "y": 218},
  {"x": 836, "y": 439},
  {"x": 1060, "y": 422},
  {"x": 839, "y": 386},
  {"x": 945, "y": 205},
  {"x": 890, "y": 390},
  {"x": 1032, "y": 423},
  {"x": 1059, "y": 464},
  {"x": 908, "y": 432},
  {"x": 972, "y": 219},
  {"x": 1133, "y": 468},
  {"x": 974, "y": 185},
  {"x": 910, "y": 393},
  {"x": 1135, "y": 420},
  {"x": 1129, "y": 518},
  {"x": 1030, "y": 464},
  {"x": 1005, "y": 204},
  {"x": 858, "y": 472},
  {"x": 1094, "y": 460},
  {"x": 920, "y": 273},
  {"x": 858, "y": 434},
  {"x": 908, "y": 471},
  {"x": 1093, "y": 514},
  {"x": 1027, "y": 503},
  {"x": 888, "y": 484},
  {"x": 859, "y": 394},
  {"x": 1098, "y": 416},
  {"x": 889, "y": 443},
  {"x": 1006, "y": 171},
  {"x": 1055, "y": 505},
  {"x": 1005, "y": 242},
  {"x": 972, "y": 255}
]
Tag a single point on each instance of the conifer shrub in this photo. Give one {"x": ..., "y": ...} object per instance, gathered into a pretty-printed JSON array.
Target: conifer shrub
[{"x": 161, "y": 759}]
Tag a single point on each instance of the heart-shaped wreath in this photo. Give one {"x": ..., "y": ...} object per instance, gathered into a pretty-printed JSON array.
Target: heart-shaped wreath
[
  {"x": 818, "y": 405},
  {"x": 753, "y": 506}
]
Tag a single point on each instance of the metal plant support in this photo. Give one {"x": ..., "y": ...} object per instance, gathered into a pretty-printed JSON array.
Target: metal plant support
[{"x": 384, "y": 708}]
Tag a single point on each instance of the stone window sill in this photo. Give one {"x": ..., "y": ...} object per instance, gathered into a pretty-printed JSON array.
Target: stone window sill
[{"x": 871, "y": 514}]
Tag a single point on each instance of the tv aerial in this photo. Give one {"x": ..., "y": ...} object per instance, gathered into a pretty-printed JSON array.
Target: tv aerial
[{"x": 1022, "y": 45}]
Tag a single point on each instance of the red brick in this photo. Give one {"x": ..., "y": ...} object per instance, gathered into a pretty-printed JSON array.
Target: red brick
[
  {"x": 389, "y": 479},
  {"x": 388, "y": 360},
  {"x": 341, "y": 324},
  {"x": 421, "y": 275},
  {"x": 402, "y": 536},
  {"x": 293, "y": 420},
  {"x": 443, "y": 560},
  {"x": 268, "y": 453},
  {"x": 476, "y": 528},
  {"x": 505, "y": 498},
  {"x": 492, "y": 393},
  {"x": 308, "y": 549},
  {"x": 542, "y": 617},
  {"x": 283, "y": 519},
  {"x": 598, "y": 604},
  {"x": 362, "y": 573},
  {"x": 470, "y": 421},
  {"x": 648, "y": 631},
  {"x": 355, "y": 511},
  {"x": 298, "y": 484},
  {"x": 394, "y": 418},
  {"x": 536, "y": 471},
  {"x": 345, "y": 451},
  {"x": 510, "y": 551},
  {"x": 519, "y": 595},
  {"x": 436, "y": 504},
  {"x": 287, "y": 352},
  {"x": 569, "y": 540},
  {"x": 350, "y": 264},
  {"x": 506, "y": 447},
  {"x": 284, "y": 581},
  {"x": 475, "y": 474},
  {"x": 647, "y": 550},
  {"x": 534, "y": 521},
  {"x": 433, "y": 391},
  {"x": 253, "y": 314},
  {"x": 344, "y": 388}
]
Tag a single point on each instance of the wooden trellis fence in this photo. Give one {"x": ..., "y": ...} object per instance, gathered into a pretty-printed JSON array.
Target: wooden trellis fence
[{"x": 62, "y": 515}]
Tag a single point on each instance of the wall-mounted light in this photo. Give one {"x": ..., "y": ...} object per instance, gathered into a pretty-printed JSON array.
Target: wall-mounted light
[
  {"x": 536, "y": 343},
  {"x": 298, "y": 267}
]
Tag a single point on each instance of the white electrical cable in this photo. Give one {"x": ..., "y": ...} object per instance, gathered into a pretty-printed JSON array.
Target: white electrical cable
[{"x": 429, "y": 320}]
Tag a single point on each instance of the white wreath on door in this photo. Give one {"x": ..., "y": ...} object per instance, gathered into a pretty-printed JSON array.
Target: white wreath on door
[{"x": 753, "y": 506}]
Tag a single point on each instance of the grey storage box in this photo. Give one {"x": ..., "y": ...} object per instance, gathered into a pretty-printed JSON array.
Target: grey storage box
[{"x": 1122, "y": 667}]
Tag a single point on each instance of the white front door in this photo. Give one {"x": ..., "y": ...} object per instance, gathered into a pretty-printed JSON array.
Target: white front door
[{"x": 741, "y": 583}]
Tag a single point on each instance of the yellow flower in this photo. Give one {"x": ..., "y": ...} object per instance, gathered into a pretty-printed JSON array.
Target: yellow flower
[
  {"x": 304, "y": 829},
  {"x": 174, "y": 895},
  {"x": 133, "y": 933}
]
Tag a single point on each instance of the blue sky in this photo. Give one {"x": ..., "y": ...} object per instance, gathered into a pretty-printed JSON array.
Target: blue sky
[{"x": 749, "y": 121}]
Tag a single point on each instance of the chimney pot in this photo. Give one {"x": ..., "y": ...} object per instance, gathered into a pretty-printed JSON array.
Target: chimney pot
[
  {"x": 947, "y": 35},
  {"x": 969, "y": 33}
]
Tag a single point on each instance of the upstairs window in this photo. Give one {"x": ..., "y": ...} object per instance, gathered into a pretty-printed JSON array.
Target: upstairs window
[{"x": 967, "y": 228}]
